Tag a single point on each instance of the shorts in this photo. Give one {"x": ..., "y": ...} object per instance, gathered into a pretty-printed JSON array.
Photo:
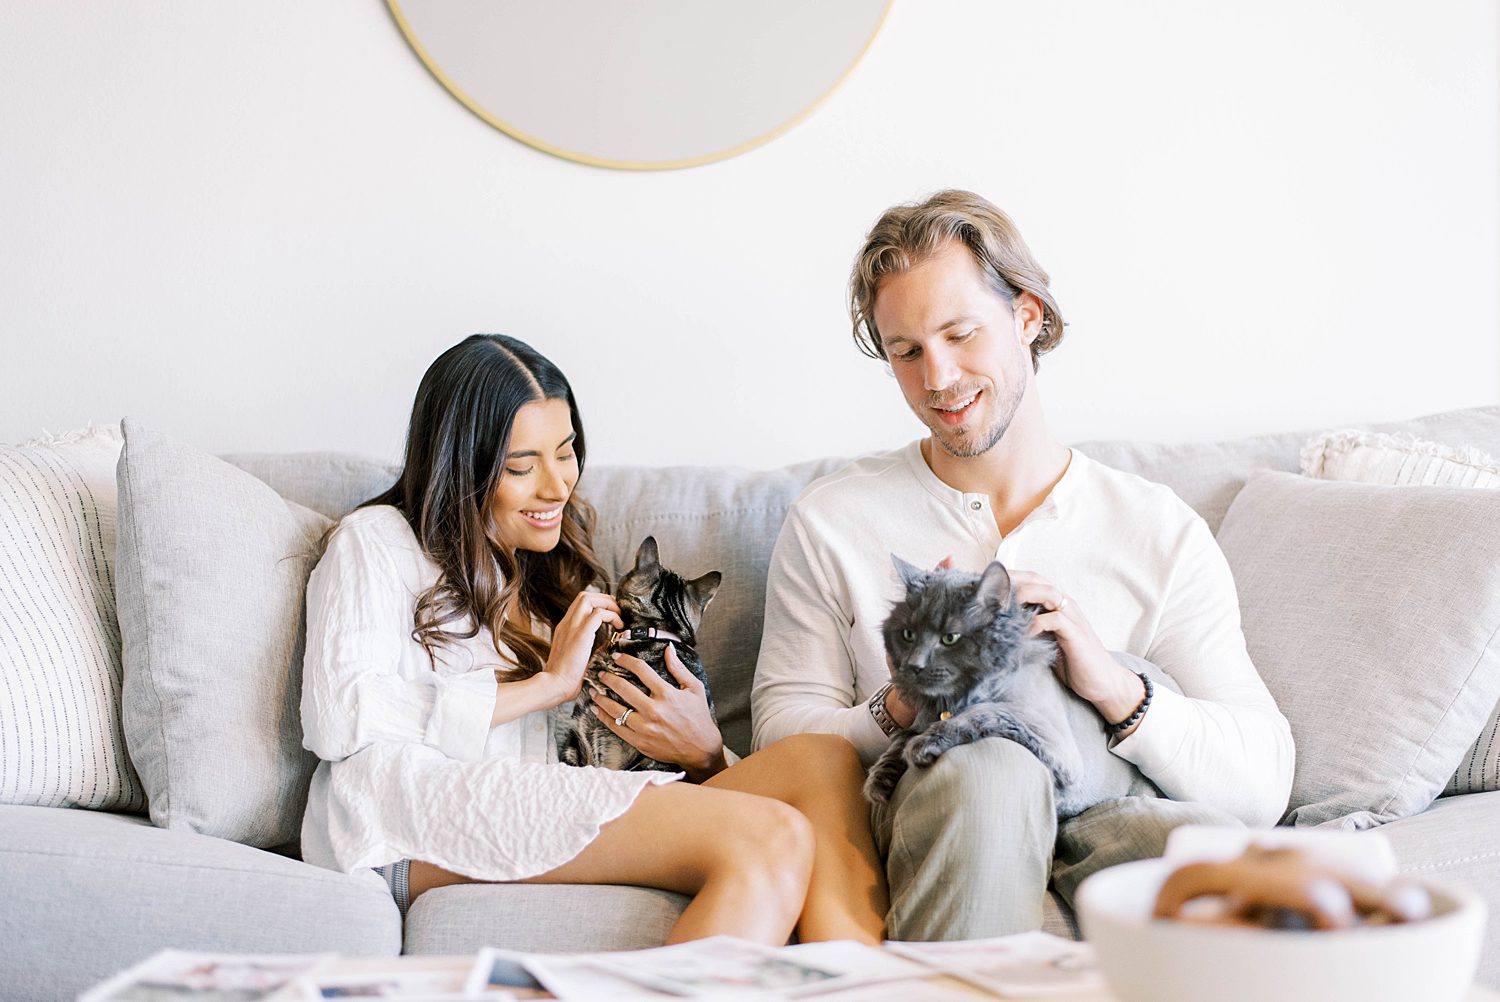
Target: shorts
[{"x": 396, "y": 878}]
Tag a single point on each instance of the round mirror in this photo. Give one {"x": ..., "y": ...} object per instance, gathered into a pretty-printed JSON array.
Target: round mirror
[{"x": 641, "y": 84}]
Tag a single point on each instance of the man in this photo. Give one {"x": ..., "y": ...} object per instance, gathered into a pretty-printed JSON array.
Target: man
[{"x": 947, "y": 293}]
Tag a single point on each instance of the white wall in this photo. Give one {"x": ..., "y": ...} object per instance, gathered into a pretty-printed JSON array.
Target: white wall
[{"x": 253, "y": 225}]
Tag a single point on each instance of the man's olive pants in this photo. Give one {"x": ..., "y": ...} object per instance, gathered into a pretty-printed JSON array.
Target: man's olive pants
[{"x": 971, "y": 842}]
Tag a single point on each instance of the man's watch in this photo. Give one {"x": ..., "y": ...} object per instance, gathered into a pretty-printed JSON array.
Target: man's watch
[{"x": 883, "y": 716}]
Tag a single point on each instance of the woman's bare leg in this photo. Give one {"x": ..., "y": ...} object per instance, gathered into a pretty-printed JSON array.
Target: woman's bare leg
[
  {"x": 745, "y": 860},
  {"x": 821, "y": 776}
]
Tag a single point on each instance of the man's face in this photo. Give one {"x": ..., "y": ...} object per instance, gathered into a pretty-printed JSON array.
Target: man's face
[{"x": 959, "y": 352}]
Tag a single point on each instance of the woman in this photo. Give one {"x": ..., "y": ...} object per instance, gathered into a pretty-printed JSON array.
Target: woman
[{"x": 449, "y": 614}]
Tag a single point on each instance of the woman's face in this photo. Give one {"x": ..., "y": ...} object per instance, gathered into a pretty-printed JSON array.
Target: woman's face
[{"x": 537, "y": 479}]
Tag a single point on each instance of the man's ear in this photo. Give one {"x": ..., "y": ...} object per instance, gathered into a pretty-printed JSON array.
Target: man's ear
[
  {"x": 993, "y": 590},
  {"x": 1029, "y": 313},
  {"x": 910, "y": 574},
  {"x": 646, "y": 558}
]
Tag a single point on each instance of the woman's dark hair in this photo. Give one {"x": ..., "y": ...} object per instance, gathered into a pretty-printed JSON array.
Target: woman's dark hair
[{"x": 460, "y": 430}]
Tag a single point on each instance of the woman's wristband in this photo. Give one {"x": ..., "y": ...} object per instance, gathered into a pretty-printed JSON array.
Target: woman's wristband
[{"x": 1140, "y": 711}]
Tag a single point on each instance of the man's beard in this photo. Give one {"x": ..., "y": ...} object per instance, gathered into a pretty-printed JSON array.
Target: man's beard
[{"x": 967, "y": 446}]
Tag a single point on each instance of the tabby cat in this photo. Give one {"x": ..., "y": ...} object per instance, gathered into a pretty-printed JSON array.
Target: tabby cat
[
  {"x": 960, "y": 655},
  {"x": 658, "y": 608}
]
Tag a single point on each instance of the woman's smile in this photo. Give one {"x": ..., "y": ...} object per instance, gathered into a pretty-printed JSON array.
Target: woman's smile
[{"x": 545, "y": 518}]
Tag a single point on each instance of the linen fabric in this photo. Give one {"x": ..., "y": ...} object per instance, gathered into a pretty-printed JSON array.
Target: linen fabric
[
  {"x": 213, "y": 567},
  {"x": 1372, "y": 613},
  {"x": 1140, "y": 564},
  {"x": 88, "y": 893},
  {"x": 1404, "y": 460},
  {"x": 411, "y": 768},
  {"x": 542, "y": 918},
  {"x": 61, "y": 744},
  {"x": 1451, "y": 841}
]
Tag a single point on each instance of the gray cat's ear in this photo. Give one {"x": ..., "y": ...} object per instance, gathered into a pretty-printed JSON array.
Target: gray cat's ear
[
  {"x": 993, "y": 589},
  {"x": 910, "y": 574},
  {"x": 701, "y": 590},
  {"x": 646, "y": 558}
]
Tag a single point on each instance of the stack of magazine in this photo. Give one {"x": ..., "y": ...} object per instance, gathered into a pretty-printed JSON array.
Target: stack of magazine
[{"x": 1032, "y": 965}]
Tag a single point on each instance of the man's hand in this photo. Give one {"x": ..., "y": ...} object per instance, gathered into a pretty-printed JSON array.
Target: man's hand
[
  {"x": 670, "y": 724},
  {"x": 1086, "y": 666}
]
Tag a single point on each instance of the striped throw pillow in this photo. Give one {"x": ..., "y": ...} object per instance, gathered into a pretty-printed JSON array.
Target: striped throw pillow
[{"x": 61, "y": 743}]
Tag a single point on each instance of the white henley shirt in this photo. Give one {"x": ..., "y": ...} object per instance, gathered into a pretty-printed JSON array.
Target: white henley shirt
[{"x": 1138, "y": 562}]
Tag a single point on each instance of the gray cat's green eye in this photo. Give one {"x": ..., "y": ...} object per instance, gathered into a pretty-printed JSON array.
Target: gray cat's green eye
[
  {"x": 949, "y": 639},
  {"x": 908, "y": 636}
]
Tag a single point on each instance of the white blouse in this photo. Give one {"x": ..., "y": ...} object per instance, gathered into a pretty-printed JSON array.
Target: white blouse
[{"x": 411, "y": 767}]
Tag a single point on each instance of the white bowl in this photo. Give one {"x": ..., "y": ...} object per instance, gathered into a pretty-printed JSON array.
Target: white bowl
[{"x": 1158, "y": 960}]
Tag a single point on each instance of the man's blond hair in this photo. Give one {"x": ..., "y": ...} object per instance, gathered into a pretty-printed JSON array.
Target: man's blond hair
[{"x": 906, "y": 235}]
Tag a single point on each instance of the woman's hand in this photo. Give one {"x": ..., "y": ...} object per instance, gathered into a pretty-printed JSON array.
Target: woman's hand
[
  {"x": 573, "y": 642},
  {"x": 1086, "y": 666},
  {"x": 670, "y": 724}
]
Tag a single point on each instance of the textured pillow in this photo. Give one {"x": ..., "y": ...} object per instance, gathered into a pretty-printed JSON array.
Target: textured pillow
[
  {"x": 213, "y": 570},
  {"x": 1371, "y": 613},
  {"x": 60, "y": 738},
  {"x": 1371, "y": 458},
  {"x": 1405, "y": 460}
]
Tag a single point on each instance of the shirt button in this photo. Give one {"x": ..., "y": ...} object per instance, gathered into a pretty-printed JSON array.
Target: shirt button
[{"x": 976, "y": 505}]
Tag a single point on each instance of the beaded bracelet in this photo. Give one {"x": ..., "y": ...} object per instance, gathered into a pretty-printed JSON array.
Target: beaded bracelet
[{"x": 1140, "y": 711}]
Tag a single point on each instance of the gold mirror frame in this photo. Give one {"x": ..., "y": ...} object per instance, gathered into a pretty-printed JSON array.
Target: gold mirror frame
[{"x": 489, "y": 115}]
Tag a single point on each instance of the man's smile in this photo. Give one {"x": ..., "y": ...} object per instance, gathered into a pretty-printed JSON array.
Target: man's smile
[{"x": 957, "y": 412}]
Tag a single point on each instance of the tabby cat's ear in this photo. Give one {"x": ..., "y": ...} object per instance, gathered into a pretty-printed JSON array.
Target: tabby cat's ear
[
  {"x": 701, "y": 590},
  {"x": 910, "y": 574},
  {"x": 993, "y": 590},
  {"x": 646, "y": 558}
]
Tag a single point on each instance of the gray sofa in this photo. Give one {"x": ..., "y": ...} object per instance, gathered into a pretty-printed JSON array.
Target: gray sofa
[{"x": 85, "y": 893}]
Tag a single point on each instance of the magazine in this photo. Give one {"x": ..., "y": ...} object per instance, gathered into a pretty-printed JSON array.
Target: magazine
[
  {"x": 726, "y": 967},
  {"x": 413, "y": 979},
  {"x": 506, "y": 973},
  {"x": 185, "y": 976},
  {"x": 1026, "y": 965}
]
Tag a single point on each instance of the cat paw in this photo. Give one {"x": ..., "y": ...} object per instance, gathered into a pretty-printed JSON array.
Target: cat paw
[
  {"x": 923, "y": 750},
  {"x": 878, "y": 787}
]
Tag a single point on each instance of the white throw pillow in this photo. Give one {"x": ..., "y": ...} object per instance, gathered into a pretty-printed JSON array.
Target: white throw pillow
[
  {"x": 61, "y": 743},
  {"x": 1403, "y": 460}
]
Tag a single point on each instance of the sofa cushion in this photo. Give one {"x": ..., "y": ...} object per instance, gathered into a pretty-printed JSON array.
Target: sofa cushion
[
  {"x": 60, "y": 739},
  {"x": 88, "y": 893},
  {"x": 213, "y": 569},
  {"x": 1404, "y": 460},
  {"x": 1371, "y": 613},
  {"x": 563, "y": 918},
  {"x": 1451, "y": 841}
]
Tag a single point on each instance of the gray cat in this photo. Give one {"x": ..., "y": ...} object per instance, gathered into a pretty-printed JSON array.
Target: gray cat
[{"x": 960, "y": 656}]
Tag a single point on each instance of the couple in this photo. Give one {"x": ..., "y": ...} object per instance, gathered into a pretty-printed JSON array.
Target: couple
[{"x": 449, "y": 614}]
